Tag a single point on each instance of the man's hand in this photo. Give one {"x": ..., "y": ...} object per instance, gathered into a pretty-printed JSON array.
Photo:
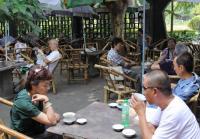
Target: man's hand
[
  {"x": 138, "y": 106},
  {"x": 39, "y": 97}
]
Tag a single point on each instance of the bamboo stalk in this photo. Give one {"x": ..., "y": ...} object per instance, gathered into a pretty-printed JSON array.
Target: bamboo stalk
[
  {"x": 6, "y": 102},
  {"x": 13, "y": 133}
]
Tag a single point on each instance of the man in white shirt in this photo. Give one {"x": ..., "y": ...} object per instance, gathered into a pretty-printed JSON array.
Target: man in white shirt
[
  {"x": 176, "y": 120},
  {"x": 52, "y": 59}
]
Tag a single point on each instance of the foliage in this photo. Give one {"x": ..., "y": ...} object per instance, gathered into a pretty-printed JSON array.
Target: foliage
[
  {"x": 183, "y": 36},
  {"x": 180, "y": 8},
  {"x": 196, "y": 10},
  {"x": 195, "y": 23},
  {"x": 21, "y": 11}
]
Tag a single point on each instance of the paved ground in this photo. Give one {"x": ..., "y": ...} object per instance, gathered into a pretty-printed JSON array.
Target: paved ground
[{"x": 70, "y": 97}]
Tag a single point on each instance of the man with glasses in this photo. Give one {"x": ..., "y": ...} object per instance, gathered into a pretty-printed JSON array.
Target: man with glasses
[{"x": 176, "y": 120}]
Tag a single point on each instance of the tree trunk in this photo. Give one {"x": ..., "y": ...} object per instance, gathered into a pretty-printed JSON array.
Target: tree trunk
[
  {"x": 157, "y": 23},
  {"x": 118, "y": 9}
]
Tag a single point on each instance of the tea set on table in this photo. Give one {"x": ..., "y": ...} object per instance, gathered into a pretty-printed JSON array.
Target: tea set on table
[
  {"x": 127, "y": 132},
  {"x": 70, "y": 118}
]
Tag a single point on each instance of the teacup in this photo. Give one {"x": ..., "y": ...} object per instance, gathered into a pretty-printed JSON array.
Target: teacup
[{"x": 139, "y": 97}]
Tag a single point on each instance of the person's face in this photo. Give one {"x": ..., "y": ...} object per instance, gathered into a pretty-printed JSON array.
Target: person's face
[
  {"x": 171, "y": 44},
  {"x": 119, "y": 47},
  {"x": 149, "y": 91},
  {"x": 177, "y": 68},
  {"x": 42, "y": 87},
  {"x": 52, "y": 45}
]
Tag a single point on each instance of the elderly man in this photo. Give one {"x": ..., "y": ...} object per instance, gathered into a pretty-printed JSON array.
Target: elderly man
[
  {"x": 52, "y": 59},
  {"x": 189, "y": 84},
  {"x": 176, "y": 120}
]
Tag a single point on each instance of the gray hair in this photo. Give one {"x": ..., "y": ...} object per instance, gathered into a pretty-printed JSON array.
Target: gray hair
[
  {"x": 160, "y": 80},
  {"x": 180, "y": 48}
]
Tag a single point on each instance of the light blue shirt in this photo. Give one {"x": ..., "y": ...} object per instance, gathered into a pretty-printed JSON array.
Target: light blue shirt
[
  {"x": 117, "y": 60},
  {"x": 185, "y": 89}
]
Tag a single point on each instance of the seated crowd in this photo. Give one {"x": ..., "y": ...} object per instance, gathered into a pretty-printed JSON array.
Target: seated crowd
[{"x": 32, "y": 109}]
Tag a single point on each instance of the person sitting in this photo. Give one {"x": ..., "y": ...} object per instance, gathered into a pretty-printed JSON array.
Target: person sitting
[
  {"x": 51, "y": 60},
  {"x": 116, "y": 59},
  {"x": 31, "y": 110},
  {"x": 165, "y": 61},
  {"x": 127, "y": 65},
  {"x": 176, "y": 121},
  {"x": 19, "y": 45},
  {"x": 148, "y": 40},
  {"x": 189, "y": 84}
]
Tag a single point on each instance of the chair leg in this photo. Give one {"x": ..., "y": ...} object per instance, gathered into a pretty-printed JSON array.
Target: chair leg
[
  {"x": 53, "y": 86},
  {"x": 68, "y": 75},
  {"x": 105, "y": 96},
  {"x": 85, "y": 74},
  {"x": 119, "y": 96}
]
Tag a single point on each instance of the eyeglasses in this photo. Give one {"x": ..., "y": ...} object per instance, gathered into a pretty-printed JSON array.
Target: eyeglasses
[{"x": 145, "y": 88}]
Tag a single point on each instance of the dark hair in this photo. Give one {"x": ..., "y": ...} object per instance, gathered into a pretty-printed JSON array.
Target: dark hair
[
  {"x": 172, "y": 39},
  {"x": 116, "y": 40},
  {"x": 35, "y": 75},
  {"x": 186, "y": 59},
  {"x": 159, "y": 79}
]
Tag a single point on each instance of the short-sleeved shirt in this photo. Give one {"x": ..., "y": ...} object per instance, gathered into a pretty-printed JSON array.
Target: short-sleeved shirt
[
  {"x": 54, "y": 56},
  {"x": 117, "y": 60},
  {"x": 187, "y": 88},
  {"x": 22, "y": 112},
  {"x": 177, "y": 122}
]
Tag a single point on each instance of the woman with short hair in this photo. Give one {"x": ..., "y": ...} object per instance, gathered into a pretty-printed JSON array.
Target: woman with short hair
[{"x": 31, "y": 110}]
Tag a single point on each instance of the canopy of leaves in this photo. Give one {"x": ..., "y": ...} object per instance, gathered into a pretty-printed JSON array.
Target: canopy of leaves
[
  {"x": 195, "y": 23},
  {"x": 26, "y": 11}
]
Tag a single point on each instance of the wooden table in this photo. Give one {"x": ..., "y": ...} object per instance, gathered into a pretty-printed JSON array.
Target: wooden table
[{"x": 100, "y": 118}]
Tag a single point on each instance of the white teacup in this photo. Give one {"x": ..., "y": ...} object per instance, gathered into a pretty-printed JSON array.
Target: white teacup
[
  {"x": 139, "y": 97},
  {"x": 69, "y": 117}
]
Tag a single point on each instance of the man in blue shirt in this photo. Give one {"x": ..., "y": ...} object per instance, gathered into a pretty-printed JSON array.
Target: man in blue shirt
[{"x": 189, "y": 82}]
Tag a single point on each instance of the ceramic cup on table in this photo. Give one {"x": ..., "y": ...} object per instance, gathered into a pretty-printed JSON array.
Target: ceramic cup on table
[{"x": 69, "y": 117}]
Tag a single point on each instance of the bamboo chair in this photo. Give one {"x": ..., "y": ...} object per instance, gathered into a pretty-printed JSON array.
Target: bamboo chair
[
  {"x": 52, "y": 70},
  {"x": 174, "y": 78},
  {"x": 26, "y": 51},
  {"x": 65, "y": 57},
  {"x": 6, "y": 130},
  {"x": 113, "y": 87},
  {"x": 76, "y": 66},
  {"x": 194, "y": 105},
  {"x": 152, "y": 54}
]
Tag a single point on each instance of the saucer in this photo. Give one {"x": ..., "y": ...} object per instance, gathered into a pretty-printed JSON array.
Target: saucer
[
  {"x": 112, "y": 105},
  {"x": 129, "y": 132},
  {"x": 118, "y": 127},
  {"x": 81, "y": 121},
  {"x": 69, "y": 121}
]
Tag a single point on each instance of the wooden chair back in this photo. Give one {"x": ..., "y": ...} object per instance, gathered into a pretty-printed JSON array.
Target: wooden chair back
[{"x": 8, "y": 130}]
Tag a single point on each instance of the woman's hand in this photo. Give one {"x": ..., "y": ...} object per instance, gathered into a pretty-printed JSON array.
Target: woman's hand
[{"x": 39, "y": 97}]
